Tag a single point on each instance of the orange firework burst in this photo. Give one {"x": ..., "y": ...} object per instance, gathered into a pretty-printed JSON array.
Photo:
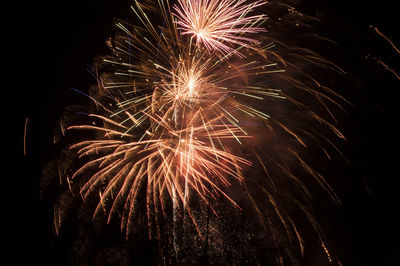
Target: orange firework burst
[
  {"x": 219, "y": 25},
  {"x": 183, "y": 120},
  {"x": 170, "y": 161}
]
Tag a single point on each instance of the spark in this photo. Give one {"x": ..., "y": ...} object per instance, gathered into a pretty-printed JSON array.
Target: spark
[
  {"x": 25, "y": 131},
  {"x": 386, "y": 38}
]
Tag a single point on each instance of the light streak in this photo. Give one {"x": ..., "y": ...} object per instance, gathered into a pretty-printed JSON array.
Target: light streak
[{"x": 25, "y": 131}]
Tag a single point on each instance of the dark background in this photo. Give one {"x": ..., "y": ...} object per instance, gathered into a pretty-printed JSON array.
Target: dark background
[{"x": 56, "y": 40}]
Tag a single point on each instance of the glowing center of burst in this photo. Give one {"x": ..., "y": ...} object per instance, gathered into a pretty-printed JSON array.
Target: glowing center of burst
[
  {"x": 187, "y": 86},
  {"x": 202, "y": 34},
  {"x": 191, "y": 86}
]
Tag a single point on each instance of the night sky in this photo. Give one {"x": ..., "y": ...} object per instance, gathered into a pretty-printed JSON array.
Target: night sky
[{"x": 58, "y": 40}]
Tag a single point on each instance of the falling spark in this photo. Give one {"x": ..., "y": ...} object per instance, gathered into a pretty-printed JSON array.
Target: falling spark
[
  {"x": 386, "y": 38},
  {"x": 25, "y": 131}
]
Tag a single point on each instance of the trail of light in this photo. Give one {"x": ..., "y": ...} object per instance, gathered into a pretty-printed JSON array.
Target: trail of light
[{"x": 25, "y": 130}]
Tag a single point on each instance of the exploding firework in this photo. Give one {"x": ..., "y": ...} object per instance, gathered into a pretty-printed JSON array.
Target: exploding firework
[
  {"x": 218, "y": 25},
  {"x": 183, "y": 126}
]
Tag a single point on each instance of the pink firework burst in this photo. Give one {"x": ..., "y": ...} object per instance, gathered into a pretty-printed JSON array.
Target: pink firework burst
[{"x": 220, "y": 25}]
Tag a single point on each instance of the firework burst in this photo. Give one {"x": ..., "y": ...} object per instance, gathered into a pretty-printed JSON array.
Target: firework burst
[
  {"x": 219, "y": 25},
  {"x": 190, "y": 121}
]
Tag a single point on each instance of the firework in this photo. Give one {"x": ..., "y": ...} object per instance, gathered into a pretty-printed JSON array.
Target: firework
[
  {"x": 188, "y": 121},
  {"x": 219, "y": 25},
  {"x": 171, "y": 162}
]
